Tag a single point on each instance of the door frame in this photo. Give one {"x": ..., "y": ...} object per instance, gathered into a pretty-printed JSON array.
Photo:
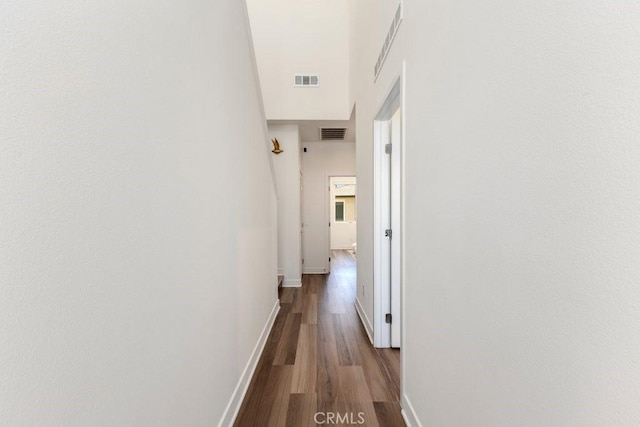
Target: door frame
[{"x": 394, "y": 99}]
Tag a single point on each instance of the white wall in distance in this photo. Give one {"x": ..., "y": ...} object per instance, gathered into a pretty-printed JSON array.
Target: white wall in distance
[
  {"x": 343, "y": 234},
  {"x": 287, "y": 170},
  {"x": 522, "y": 231},
  {"x": 293, "y": 37},
  {"x": 322, "y": 160},
  {"x": 137, "y": 212}
]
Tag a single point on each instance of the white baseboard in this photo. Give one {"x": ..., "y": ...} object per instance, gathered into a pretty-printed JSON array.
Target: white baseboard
[
  {"x": 291, "y": 283},
  {"x": 233, "y": 407},
  {"x": 315, "y": 271},
  {"x": 409, "y": 414},
  {"x": 364, "y": 319}
]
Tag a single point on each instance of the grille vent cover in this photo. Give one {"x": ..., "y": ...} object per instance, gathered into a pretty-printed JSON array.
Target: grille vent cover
[
  {"x": 306, "y": 80},
  {"x": 333, "y": 134},
  {"x": 393, "y": 30}
]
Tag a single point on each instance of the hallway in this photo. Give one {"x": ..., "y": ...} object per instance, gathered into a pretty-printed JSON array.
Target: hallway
[{"x": 318, "y": 359}]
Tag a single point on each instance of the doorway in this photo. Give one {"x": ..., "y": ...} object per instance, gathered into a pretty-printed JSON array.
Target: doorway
[
  {"x": 342, "y": 215},
  {"x": 388, "y": 221}
]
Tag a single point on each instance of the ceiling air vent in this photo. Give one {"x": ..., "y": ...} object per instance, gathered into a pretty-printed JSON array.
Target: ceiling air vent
[
  {"x": 303, "y": 80},
  {"x": 332, "y": 134}
]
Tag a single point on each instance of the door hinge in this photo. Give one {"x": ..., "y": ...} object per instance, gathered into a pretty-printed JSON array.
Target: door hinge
[
  {"x": 388, "y": 233},
  {"x": 387, "y": 318},
  {"x": 329, "y": 259},
  {"x": 329, "y": 224},
  {"x": 303, "y": 260},
  {"x": 388, "y": 149}
]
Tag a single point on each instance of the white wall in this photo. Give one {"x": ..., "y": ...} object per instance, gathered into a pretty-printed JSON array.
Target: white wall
[
  {"x": 322, "y": 160},
  {"x": 343, "y": 234},
  {"x": 298, "y": 37},
  {"x": 287, "y": 171},
  {"x": 522, "y": 231},
  {"x": 137, "y": 212}
]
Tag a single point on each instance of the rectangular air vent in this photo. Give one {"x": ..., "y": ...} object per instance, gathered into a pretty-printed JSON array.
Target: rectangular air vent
[
  {"x": 333, "y": 134},
  {"x": 304, "y": 80},
  {"x": 391, "y": 34}
]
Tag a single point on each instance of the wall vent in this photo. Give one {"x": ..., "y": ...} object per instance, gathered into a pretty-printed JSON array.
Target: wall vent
[
  {"x": 333, "y": 134},
  {"x": 305, "y": 80},
  {"x": 388, "y": 41}
]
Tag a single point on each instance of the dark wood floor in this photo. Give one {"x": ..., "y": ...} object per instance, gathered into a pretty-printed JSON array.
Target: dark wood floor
[{"x": 318, "y": 359}]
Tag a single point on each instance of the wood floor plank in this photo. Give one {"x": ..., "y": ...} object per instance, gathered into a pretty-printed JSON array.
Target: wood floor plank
[
  {"x": 377, "y": 382},
  {"x": 353, "y": 385},
  {"x": 354, "y": 396},
  {"x": 389, "y": 414},
  {"x": 269, "y": 352},
  {"x": 310, "y": 310},
  {"x": 326, "y": 331},
  {"x": 286, "y": 296},
  {"x": 288, "y": 345},
  {"x": 297, "y": 306},
  {"x": 271, "y": 401},
  {"x": 249, "y": 411},
  {"x": 388, "y": 361},
  {"x": 302, "y": 410},
  {"x": 315, "y": 284},
  {"x": 280, "y": 384},
  {"x": 348, "y": 352},
  {"x": 344, "y": 356},
  {"x": 328, "y": 381},
  {"x": 304, "y": 370}
]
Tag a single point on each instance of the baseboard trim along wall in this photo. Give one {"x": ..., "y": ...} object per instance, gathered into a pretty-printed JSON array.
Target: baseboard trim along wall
[
  {"x": 365, "y": 320},
  {"x": 408, "y": 413},
  {"x": 233, "y": 407},
  {"x": 314, "y": 271},
  {"x": 291, "y": 283}
]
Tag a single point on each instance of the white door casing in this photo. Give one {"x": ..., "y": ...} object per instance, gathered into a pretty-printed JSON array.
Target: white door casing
[
  {"x": 396, "y": 225},
  {"x": 388, "y": 216}
]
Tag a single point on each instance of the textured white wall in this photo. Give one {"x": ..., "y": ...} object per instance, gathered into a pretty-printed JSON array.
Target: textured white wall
[
  {"x": 135, "y": 195},
  {"x": 322, "y": 160},
  {"x": 287, "y": 170},
  {"x": 523, "y": 182},
  {"x": 294, "y": 37}
]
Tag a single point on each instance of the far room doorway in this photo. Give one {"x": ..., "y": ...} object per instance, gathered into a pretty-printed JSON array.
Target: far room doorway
[{"x": 342, "y": 215}]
